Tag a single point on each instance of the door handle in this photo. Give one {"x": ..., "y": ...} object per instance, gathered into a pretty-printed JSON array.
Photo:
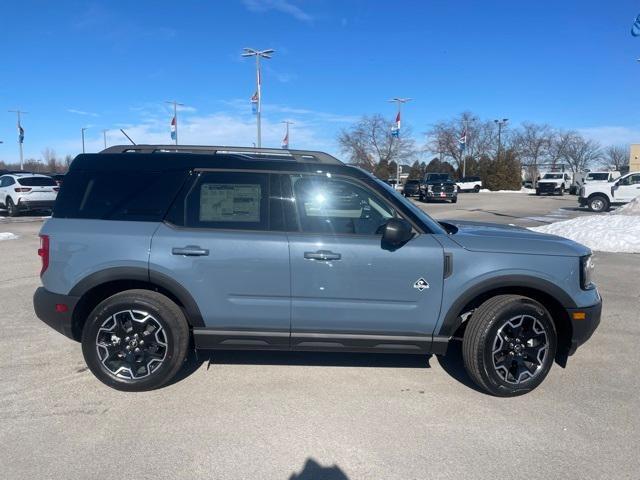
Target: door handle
[
  {"x": 190, "y": 251},
  {"x": 322, "y": 255}
]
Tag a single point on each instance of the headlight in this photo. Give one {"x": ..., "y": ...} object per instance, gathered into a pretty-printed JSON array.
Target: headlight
[
  {"x": 586, "y": 269},
  {"x": 429, "y": 188}
]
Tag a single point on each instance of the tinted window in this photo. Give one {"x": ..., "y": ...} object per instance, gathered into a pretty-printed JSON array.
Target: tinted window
[
  {"x": 37, "y": 182},
  {"x": 438, "y": 177},
  {"x": 598, "y": 176},
  {"x": 336, "y": 206},
  {"x": 413, "y": 182},
  {"x": 553, "y": 176},
  {"x": 118, "y": 195}
]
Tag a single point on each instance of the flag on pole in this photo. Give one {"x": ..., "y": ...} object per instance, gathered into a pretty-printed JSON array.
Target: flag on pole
[
  {"x": 395, "y": 131},
  {"x": 173, "y": 128},
  {"x": 285, "y": 140},
  {"x": 463, "y": 140},
  {"x": 20, "y": 134},
  {"x": 254, "y": 103}
]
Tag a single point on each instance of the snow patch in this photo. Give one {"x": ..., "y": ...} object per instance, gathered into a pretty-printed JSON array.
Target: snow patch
[
  {"x": 631, "y": 208},
  {"x": 7, "y": 236},
  {"x": 522, "y": 190}
]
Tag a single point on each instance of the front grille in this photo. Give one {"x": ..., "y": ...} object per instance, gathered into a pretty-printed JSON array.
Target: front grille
[{"x": 547, "y": 187}]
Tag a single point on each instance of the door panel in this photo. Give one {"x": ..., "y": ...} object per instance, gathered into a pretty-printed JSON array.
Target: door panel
[{"x": 628, "y": 188}]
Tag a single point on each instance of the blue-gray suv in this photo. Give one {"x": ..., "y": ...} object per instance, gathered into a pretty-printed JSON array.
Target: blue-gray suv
[{"x": 153, "y": 250}]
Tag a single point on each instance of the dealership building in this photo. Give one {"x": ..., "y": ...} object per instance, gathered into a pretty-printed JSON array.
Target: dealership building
[{"x": 634, "y": 157}]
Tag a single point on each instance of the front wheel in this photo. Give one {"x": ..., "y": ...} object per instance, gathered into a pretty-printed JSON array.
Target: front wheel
[
  {"x": 454, "y": 200},
  {"x": 135, "y": 340},
  {"x": 509, "y": 345},
  {"x": 476, "y": 189},
  {"x": 598, "y": 203}
]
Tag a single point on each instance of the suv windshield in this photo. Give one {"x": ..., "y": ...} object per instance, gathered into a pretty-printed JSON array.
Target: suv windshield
[
  {"x": 552, "y": 176},
  {"x": 37, "y": 182},
  {"x": 438, "y": 177}
]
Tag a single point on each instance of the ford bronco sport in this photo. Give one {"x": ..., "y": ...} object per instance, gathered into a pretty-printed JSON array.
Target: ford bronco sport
[{"x": 154, "y": 249}]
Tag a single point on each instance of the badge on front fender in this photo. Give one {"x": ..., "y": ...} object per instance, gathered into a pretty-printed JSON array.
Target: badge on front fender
[{"x": 421, "y": 284}]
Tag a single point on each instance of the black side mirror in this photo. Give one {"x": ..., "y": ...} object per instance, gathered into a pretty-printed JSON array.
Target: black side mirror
[{"x": 396, "y": 233}]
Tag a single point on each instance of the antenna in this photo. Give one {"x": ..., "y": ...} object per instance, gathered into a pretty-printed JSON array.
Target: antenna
[{"x": 128, "y": 137}]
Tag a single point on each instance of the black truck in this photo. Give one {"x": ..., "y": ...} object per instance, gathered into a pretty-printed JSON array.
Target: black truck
[{"x": 438, "y": 186}]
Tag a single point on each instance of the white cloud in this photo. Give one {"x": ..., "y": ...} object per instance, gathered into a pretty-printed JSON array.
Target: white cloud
[
  {"x": 82, "y": 112},
  {"x": 283, "y": 6},
  {"x": 612, "y": 135}
]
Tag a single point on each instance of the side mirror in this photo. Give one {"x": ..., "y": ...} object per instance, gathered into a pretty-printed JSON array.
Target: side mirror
[{"x": 396, "y": 232}]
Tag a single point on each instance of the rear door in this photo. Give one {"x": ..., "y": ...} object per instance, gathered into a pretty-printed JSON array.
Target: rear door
[
  {"x": 348, "y": 292},
  {"x": 222, "y": 246}
]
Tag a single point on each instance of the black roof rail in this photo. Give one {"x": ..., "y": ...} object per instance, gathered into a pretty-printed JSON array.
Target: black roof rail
[{"x": 303, "y": 156}]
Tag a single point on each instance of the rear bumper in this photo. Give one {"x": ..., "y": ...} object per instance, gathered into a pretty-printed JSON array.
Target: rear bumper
[
  {"x": 45, "y": 303},
  {"x": 583, "y": 329},
  {"x": 35, "y": 204}
]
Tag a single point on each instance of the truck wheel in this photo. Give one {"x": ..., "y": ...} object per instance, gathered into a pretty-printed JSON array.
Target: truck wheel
[
  {"x": 12, "y": 210},
  {"x": 562, "y": 190},
  {"x": 537, "y": 192},
  {"x": 598, "y": 203},
  {"x": 135, "y": 340},
  {"x": 509, "y": 345},
  {"x": 454, "y": 200}
]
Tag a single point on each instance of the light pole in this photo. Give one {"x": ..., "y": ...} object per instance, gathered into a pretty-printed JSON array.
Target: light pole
[
  {"x": 20, "y": 135},
  {"x": 250, "y": 52},
  {"x": 500, "y": 123},
  {"x": 82, "y": 133},
  {"x": 396, "y": 132},
  {"x": 285, "y": 140},
  {"x": 174, "y": 121},
  {"x": 104, "y": 136}
]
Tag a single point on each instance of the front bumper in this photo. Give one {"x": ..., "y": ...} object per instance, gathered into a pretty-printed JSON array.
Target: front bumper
[
  {"x": 583, "y": 329},
  {"x": 582, "y": 201},
  {"x": 45, "y": 303},
  {"x": 441, "y": 195}
]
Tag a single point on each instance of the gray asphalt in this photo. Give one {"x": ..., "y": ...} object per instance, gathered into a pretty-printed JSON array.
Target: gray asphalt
[{"x": 238, "y": 415}]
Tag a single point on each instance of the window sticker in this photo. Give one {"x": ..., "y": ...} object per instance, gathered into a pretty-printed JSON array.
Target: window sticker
[{"x": 229, "y": 202}]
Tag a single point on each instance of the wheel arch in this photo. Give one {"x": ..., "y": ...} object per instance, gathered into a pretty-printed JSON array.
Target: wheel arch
[
  {"x": 552, "y": 297},
  {"x": 100, "y": 285}
]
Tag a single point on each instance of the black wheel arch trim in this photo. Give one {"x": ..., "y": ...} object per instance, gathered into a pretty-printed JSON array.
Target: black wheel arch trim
[
  {"x": 141, "y": 274},
  {"x": 452, "y": 319}
]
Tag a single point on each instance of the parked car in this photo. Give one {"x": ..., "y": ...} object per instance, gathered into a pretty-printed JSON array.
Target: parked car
[
  {"x": 601, "y": 177},
  {"x": 240, "y": 248},
  {"x": 599, "y": 196},
  {"x": 469, "y": 184},
  {"x": 411, "y": 188},
  {"x": 438, "y": 186},
  {"x": 554, "y": 183},
  {"x": 25, "y": 192}
]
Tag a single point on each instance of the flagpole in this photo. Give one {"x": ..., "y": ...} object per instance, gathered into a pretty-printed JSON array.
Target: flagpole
[
  {"x": 250, "y": 52},
  {"x": 287, "y": 123},
  {"x": 399, "y": 101},
  {"x": 175, "y": 115},
  {"x": 19, "y": 113}
]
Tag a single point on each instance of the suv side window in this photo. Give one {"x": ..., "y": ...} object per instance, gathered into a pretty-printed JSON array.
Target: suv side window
[
  {"x": 338, "y": 206},
  {"x": 2, "y": 182}
]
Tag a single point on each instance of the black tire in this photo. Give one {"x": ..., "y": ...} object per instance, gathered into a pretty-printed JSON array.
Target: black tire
[
  {"x": 476, "y": 189},
  {"x": 562, "y": 191},
  {"x": 538, "y": 192},
  {"x": 454, "y": 200},
  {"x": 489, "y": 325},
  {"x": 12, "y": 210},
  {"x": 173, "y": 330},
  {"x": 598, "y": 203}
]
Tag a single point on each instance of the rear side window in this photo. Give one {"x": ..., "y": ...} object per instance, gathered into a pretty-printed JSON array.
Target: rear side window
[
  {"x": 37, "y": 182},
  {"x": 118, "y": 195}
]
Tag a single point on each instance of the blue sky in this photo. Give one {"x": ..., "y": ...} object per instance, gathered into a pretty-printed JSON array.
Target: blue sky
[{"x": 112, "y": 64}]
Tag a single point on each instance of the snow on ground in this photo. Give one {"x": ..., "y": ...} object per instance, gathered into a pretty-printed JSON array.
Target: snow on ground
[
  {"x": 618, "y": 231},
  {"x": 522, "y": 190},
  {"x": 7, "y": 236}
]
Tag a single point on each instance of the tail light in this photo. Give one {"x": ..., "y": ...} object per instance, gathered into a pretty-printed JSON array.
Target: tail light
[
  {"x": 43, "y": 252},
  {"x": 22, "y": 189}
]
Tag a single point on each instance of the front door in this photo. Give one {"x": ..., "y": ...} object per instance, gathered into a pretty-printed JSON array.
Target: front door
[
  {"x": 221, "y": 247},
  {"x": 348, "y": 292},
  {"x": 628, "y": 188}
]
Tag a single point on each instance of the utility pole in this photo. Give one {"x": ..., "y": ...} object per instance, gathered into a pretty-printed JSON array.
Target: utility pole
[
  {"x": 250, "y": 52},
  {"x": 82, "y": 132},
  {"x": 285, "y": 141},
  {"x": 20, "y": 135},
  {"x": 500, "y": 123},
  {"x": 174, "y": 121},
  {"x": 463, "y": 146},
  {"x": 104, "y": 136},
  {"x": 396, "y": 132}
]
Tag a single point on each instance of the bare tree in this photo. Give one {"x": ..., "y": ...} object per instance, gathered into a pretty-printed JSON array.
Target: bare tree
[
  {"x": 559, "y": 146},
  {"x": 615, "y": 157},
  {"x": 369, "y": 142},
  {"x": 580, "y": 153},
  {"x": 49, "y": 157},
  {"x": 533, "y": 142}
]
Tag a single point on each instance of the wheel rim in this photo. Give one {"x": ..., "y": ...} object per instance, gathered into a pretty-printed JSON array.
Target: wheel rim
[
  {"x": 597, "y": 205},
  {"x": 520, "y": 349},
  {"x": 131, "y": 344}
]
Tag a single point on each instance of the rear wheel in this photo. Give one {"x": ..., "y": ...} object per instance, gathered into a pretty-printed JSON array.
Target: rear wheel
[
  {"x": 135, "y": 340},
  {"x": 509, "y": 345},
  {"x": 598, "y": 203},
  {"x": 12, "y": 210},
  {"x": 454, "y": 200}
]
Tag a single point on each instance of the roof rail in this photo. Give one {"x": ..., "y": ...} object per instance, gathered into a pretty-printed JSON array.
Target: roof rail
[{"x": 304, "y": 156}]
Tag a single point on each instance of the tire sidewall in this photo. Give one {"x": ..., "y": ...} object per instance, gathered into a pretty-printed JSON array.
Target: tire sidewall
[
  {"x": 117, "y": 304},
  {"x": 604, "y": 204},
  {"x": 527, "y": 307}
]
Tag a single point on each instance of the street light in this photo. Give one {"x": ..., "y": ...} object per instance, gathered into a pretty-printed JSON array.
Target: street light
[
  {"x": 82, "y": 132},
  {"x": 250, "y": 52},
  {"x": 500, "y": 123},
  {"x": 104, "y": 136},
  {"x": 398, "y": 101}
]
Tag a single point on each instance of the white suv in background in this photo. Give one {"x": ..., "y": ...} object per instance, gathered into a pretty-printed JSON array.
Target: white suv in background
[
  {"x": 600, "y": 196},
  {"x": 24, "y": 192}
]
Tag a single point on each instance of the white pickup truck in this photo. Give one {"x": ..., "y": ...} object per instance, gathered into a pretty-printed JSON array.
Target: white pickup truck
[
  {"x": 554, "y": 183},
  {"x": 469, "y": 184},
  {"x": 599, "y": 196}
]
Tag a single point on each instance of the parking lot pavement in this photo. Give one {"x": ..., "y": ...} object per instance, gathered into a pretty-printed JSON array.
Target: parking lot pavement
[
  {"x": 511, "y": 208},
  {"x": 336, "y": 416}
]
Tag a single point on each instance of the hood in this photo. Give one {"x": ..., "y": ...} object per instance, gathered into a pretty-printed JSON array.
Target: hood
[{"x": 496, "y": 238}]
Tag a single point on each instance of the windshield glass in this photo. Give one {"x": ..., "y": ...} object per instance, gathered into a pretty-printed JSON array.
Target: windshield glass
[
  {"x": 552, "y": 176},
  {"x": 438, "y": 177},
  {"x": 598, "y": 176},
  {"x": 431, "y": 223}
]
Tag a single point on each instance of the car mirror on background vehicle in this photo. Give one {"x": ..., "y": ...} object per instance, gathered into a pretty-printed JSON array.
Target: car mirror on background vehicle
[{"x": 396, "y": 232}]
